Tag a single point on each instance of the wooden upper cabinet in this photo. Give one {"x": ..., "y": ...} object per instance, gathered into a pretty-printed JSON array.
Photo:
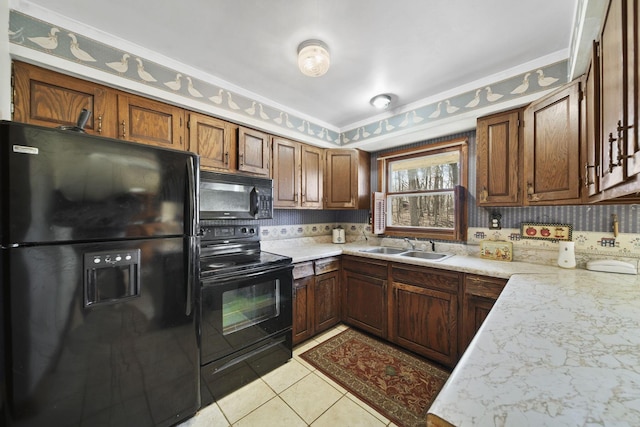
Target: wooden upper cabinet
[
  {"x": 286, "y": 173},
  {"x": 214, "y": 140},
  {"x": 498, "y": 159},
  {"x": 46, "y": 98},
  {"x": 150, "y": 122},
  {"x": 347, "y": 176},
  {"x": 253, "y": 151},
  {"x": 611, "y": 94},
  {"x": 312, "y": 166},
  {"x": 633, "y": 88},
  {"x": 297, "y": 174},
  {"x": 552, "y": 148},
  {"x": 591, "y": 142}
]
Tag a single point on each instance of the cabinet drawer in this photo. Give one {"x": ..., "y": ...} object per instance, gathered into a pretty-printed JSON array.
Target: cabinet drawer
[
  {"x": 365, "y": 266},
  {"x": 303, "y": 269},
  {"x": 480, "y": 286},
  {"x": 327, "y": 265},
  {"x": 425, "y": 277}
]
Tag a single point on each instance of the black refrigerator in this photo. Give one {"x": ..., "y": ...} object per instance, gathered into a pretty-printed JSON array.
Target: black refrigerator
[{"x": 99, "y": 280}]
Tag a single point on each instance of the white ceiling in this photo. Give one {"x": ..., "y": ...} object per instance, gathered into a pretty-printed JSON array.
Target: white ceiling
[{"x": 412, "y": 49}]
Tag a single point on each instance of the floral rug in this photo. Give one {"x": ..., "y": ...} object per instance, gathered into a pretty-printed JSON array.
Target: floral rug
[{"x": 399, "y": 385}]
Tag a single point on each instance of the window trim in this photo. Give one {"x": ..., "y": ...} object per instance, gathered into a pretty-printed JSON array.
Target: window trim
[{"x": 459, "y": 232}]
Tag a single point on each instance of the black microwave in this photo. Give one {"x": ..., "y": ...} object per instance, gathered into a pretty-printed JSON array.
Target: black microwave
[{"x": 225, "y": 196}]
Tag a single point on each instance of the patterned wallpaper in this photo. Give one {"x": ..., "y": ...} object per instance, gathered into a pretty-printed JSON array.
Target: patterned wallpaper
[{"x": 53, "y": 39}]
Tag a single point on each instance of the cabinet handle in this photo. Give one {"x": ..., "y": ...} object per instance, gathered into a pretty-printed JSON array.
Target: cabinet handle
[
  {"x": 304, "y": 198},
  {"x": 226, "y": 158},
  {"x": 241, "y": 158},
  {"x": 295, "y": 197},
  {"x": 124, "y": 130},
  {"x": 484, "y": 194},
  {"x": 611, "y": 141},
  {"x": 100, "y": 123},
  {"x": 531, "y": 195},
  {"x": 587, "y": 182},
  {"x": 621, "y": 147}
]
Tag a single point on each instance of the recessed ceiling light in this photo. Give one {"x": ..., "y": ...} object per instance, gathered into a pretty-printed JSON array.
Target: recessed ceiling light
[{"x": 381, "y": 101}]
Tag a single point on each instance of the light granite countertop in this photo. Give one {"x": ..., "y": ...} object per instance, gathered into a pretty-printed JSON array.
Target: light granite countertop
[
  {"x": 301, "y": 250},
  {"x": 559, "y": 348}
]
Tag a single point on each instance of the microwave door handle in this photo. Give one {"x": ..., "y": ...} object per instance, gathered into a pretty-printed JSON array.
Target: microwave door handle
[{"x": 254, "y": 202}]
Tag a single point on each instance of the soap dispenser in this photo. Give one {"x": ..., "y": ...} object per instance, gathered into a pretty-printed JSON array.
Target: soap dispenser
[{"x": 567, "y": 255}]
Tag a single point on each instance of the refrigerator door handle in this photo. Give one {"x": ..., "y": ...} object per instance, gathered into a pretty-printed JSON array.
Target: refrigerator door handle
[
  {"x": 193, "y": 197},
  {"x": 192, "y": 273}
]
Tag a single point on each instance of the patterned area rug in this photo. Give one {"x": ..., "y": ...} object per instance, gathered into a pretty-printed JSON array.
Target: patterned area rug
[{"x": 399, "y": 385}]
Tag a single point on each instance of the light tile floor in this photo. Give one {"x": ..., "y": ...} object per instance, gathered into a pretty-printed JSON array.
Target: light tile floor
[{"x": 296, "y": 394}]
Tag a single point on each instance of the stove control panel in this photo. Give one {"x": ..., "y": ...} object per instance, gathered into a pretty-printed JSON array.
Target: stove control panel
[{"x": 230, "y": 232}]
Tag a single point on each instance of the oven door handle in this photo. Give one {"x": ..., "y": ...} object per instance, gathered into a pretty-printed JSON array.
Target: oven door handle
[{"x": 244, "y": 276}]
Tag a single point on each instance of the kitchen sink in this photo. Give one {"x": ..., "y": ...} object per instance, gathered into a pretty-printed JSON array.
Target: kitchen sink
[
  {"x": 433, "y": 256},
  {"x": 384, "y": 250}
]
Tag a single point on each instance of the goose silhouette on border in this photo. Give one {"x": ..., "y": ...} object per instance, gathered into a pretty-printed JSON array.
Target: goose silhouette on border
[
  {"x": 120, "y": 66},
  {"x": 77, "y": 52},
  {"x": 49, "y": 42},
  {"x": 142, "y": 73}
]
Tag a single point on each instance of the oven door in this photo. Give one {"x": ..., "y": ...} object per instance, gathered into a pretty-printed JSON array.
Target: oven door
[{"x": 239, "y": 311}]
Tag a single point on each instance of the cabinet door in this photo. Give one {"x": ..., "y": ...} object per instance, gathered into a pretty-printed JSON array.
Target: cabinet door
[
  {"x": 302, "y": 309},
  {"x": 591, "y": 125},
  {"x": 253, "y": 151},
  {"x": 611, "y": 66},
  {"x": 46, "y": 98},
  {"x": 286, "y": 173},
  {"x": 480, "y": 293},
  {"x": 365, "y": 302},
  {"x": 342, "y": 179},
  {"x": 326, "y": 301},
  {"x": 213, "y": 140},
  {"x": 552, "y": 148},
  {"x": 498, "y": 159},
  {"x": 633, "y": 87},
  {"x": 150, "y": 122},
  {"x": 312, "y": 178},
  {"x": 424, "y": 312}
]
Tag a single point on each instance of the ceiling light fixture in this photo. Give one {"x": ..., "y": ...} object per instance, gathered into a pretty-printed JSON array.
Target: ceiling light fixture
[
  {"x": 381, "y": 101},
  {"x": 313, "y": 58}
]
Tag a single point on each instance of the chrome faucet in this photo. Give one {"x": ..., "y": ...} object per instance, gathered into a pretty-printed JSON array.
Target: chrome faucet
[{"x": 413, "y": 246}]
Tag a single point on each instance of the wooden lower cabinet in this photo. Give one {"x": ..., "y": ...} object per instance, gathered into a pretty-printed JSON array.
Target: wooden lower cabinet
[
  {"x": 364, "y": 294},
  {"x": 480, "y": 293},
  {"x": 302, "y": 312},
  {"x": 424, "y": 311},
  {"x": 316, "y": 297}
]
